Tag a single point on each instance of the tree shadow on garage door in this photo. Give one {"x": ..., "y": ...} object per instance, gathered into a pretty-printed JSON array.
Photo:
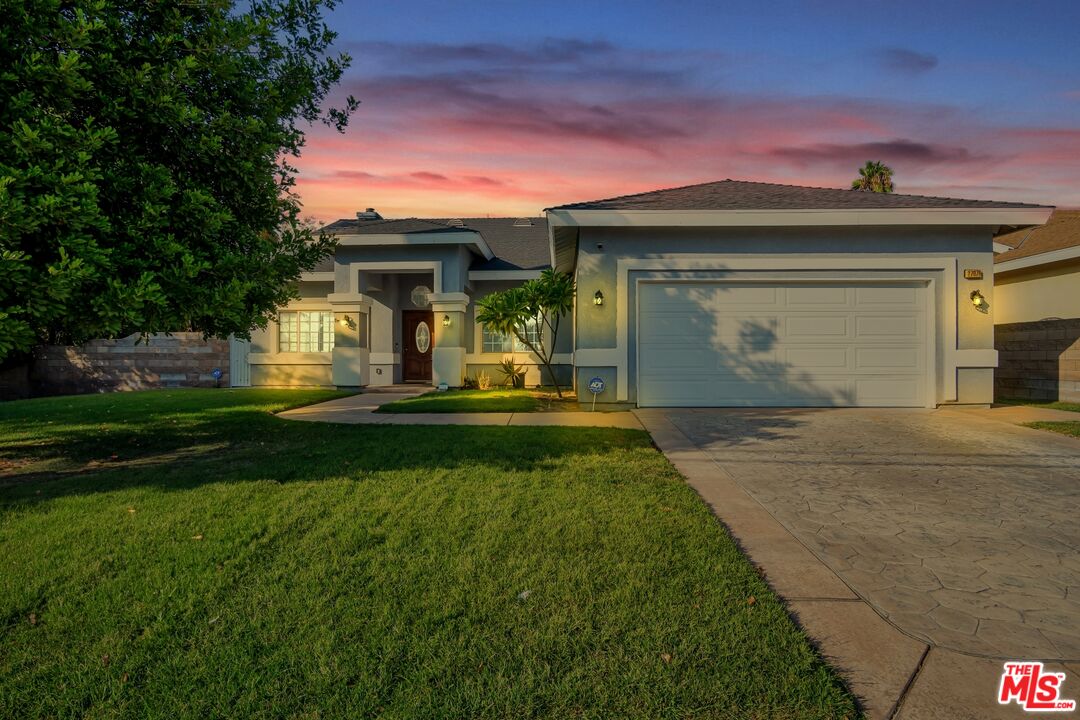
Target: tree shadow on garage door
[{"x": 698, "y": 348}]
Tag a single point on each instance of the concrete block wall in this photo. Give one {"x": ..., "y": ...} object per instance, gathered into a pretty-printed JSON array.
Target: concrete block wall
[
  {"x": 165, "y": 361},
  {"x": 1038, "y": 360}
]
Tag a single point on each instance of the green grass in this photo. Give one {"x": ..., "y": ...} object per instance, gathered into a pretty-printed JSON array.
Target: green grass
[
  {"x": 1066, "y": 427},
  {"x": 189, "y": 555},
  {"x": 1069, "y": 406},
  {"x": 468, "y": 401}
]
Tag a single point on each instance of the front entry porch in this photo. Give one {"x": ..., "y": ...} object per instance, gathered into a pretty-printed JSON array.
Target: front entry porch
[{"x": 413, "y": 327}]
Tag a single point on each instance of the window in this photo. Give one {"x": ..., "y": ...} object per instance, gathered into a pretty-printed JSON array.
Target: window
[
  {"x": 306, "y": 331},
  {"x": 494, "y": 342}
]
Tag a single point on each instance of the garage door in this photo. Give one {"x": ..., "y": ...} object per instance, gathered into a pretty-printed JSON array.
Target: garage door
[{"x": 772, "y": 344}]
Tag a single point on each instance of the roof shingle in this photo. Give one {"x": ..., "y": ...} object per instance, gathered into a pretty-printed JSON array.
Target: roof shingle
[
  {"x": 516, "y": 246},
  {"x": 742, "y": 195},
  {"x": 1061, "y": 231}
]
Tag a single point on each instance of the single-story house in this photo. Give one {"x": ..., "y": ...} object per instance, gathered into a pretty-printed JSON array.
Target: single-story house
[
  {"x": 720, "y": 294},
  {"x": 1037, "y": 319}
]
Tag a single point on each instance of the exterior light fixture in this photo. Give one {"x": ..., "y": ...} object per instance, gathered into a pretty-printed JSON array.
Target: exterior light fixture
[
  {"x": 977, "y": 299},
  {"x": 446, "y": 321},
  {"x": 598, "y": 298}
]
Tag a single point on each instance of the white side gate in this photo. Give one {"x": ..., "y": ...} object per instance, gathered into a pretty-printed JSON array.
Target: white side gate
[{"x": 239, "y": 369}]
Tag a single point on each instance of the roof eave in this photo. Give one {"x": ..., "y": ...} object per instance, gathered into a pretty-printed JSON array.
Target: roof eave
[
  {"x": 1027, "y": 262},
  {"x": 998, "y": 216},
  {"x": 464, "y": 237}
]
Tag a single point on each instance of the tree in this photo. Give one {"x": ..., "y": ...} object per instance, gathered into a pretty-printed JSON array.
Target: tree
[
  {"x": 542, "y": 301},
  {"x": 145, "y": 176},
  {"x": 874, "y": 176}
]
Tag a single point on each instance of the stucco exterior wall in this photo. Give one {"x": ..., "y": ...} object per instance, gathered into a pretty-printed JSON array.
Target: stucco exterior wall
[
  {"x": 858, "y": 253},
  {"x": 270, "y": 367},
  {"x": 1038, "y": 294}
]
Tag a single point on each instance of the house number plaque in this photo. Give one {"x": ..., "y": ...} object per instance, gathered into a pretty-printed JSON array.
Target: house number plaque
[{"x": 973, "y": 275}]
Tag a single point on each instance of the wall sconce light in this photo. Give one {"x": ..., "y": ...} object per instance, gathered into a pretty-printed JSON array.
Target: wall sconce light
[
  {"x": 346, "y": 321},
  {"x": 446, "y": 321},
  {"x": 977, "y": 299},
  {"x": 598, "y": 298}
]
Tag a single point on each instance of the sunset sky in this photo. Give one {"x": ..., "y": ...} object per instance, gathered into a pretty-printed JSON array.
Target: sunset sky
[{"x": 504, "y": 108}]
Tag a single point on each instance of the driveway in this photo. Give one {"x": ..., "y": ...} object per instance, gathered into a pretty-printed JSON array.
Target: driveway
[{"x": 961, "y": 531}]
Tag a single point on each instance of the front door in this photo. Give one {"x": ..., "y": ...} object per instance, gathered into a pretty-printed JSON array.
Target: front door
[{"x": 417, "y": 339}]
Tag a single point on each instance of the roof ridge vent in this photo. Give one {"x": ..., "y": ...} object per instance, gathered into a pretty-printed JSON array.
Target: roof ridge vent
[
  {"x": 455, "y": 222},
  {"x": 523, "y": 222}
]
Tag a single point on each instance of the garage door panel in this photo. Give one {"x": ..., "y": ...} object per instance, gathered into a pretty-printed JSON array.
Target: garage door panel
[
  {"x": 757, "y": 295},
  {"x": 888, "y": 391},
  {"x": 817, "y": 296},
  {"x": 876, "y": 359},
  {"x": 888, "y": 297},
  {"x": 820, "y": 358},
  {"x": 676, "y": 357},
  {"x": 819, "y": 390},
  {"x": 680, "y": 327},
  {"x": 729, "y": 344},
  {"x": 893, "y": 327},
  {"x": 816, "y": 326}
]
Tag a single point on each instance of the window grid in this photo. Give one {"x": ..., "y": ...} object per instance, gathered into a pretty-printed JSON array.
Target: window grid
[
  {"x": 495, "y": 342},
  {"x": 306, "y": 331}
]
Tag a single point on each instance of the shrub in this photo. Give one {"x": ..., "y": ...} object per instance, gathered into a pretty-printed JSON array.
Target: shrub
[{"x": 483, "y": 381}]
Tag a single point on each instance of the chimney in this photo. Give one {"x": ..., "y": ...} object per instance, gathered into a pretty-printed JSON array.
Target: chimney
[{"x": 369, "y": 214}]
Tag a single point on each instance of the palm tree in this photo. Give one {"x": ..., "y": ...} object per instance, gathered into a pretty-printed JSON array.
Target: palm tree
[{"x": 874, "y": 177}]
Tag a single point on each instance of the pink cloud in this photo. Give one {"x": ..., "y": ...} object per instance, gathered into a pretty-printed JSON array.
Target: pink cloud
[{"x": 472, "y": 140}]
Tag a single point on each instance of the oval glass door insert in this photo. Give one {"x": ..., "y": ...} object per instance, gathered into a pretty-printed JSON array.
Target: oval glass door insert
[{"x": 423, "y": 337}]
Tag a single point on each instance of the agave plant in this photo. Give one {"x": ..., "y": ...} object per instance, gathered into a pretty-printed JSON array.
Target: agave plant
[{"x": 513, "y": 374}]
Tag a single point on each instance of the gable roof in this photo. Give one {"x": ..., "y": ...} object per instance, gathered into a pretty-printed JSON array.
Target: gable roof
[
  {"x": 401, "y": 226},
  {"x": 516, "y": 245},
  {"x": 1061, "y": 231},
  {"x": 742, "y": 195}
]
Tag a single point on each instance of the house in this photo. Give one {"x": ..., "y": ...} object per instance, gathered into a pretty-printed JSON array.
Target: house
[
  {"x": 724, "y": 293},
  {"x": 1037, "y": 318}
]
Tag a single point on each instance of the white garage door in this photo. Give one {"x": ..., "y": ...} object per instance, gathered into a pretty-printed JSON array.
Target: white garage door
[{"x": 720, "y": 344}]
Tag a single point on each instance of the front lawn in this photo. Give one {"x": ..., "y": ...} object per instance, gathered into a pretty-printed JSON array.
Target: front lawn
[
  {"x": 1063, "y": 427},
  {"x": 482, "y": 401},
  {"x": 1069, "y": 406},
  {"x": 185, "y": 554}
]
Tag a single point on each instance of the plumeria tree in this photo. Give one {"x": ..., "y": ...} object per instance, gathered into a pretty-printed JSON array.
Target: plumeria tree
[{"x": 541, "y": 302}]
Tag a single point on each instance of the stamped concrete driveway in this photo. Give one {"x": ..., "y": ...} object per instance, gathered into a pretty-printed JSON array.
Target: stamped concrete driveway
[{"x": 960, "y": 531}]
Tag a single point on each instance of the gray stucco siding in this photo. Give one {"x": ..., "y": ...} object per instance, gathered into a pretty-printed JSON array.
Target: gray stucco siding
[{"x": 601, "y": 249}]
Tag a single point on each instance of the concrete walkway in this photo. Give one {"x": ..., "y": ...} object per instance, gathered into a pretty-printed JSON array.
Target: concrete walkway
[
  {"x": 360, "y": 410},
  {"x": 760, "y": 470}
]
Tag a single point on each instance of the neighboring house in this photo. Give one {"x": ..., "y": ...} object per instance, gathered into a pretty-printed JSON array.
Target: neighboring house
[
  {"x": 1037, "y": 313},
  {"x": 726, "y": 293}
]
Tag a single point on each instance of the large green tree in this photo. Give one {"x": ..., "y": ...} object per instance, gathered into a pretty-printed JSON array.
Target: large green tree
[
  {"x": 874, "y": 176},
  {"x": 145, "y": 176}
]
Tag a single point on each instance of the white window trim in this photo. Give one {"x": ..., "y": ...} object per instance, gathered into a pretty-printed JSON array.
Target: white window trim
[{"x": 294, "y": 353}]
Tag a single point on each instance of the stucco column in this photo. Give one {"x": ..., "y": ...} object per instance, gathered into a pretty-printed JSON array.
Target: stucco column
[
  {"x": 350, "y": 358},
  {"x": 448, "y": 355}
]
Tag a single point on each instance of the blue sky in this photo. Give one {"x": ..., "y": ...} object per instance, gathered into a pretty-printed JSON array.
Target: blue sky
[{"x": 505, "y": 107}]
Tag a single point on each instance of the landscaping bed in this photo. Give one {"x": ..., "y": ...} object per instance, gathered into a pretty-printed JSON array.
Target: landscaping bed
[{"x": 499, "y": 400}]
